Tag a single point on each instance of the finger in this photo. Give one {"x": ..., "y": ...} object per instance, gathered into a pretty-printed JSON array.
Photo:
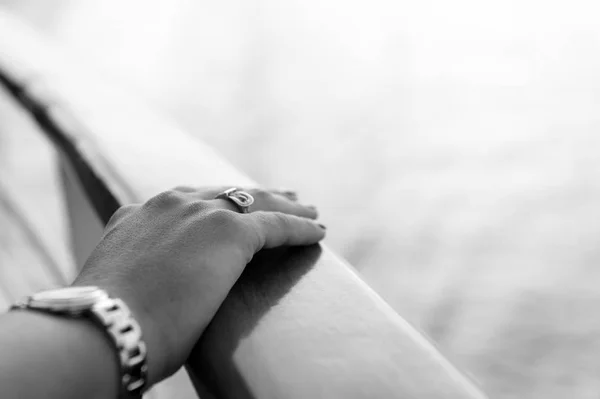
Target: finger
[
  {"x": 289, "y": 194},
  {"x": 267, "y": 201},
  {"x": 264, "y": 200},
  {"x": 201, "y": 193},
  {"x": 284, "y": 205},
  {"x": 275, "y": 229},
  {"x": 211, "y": 192}
]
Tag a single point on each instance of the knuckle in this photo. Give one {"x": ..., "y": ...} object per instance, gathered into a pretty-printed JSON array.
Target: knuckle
[
  {"x": 166, "y": 199},
  {"x": 264, "y": 219},
  {"x": 229, "y": 226},
  {"x": 125, "y": 210},
  {"x": 283, "y": 220},
  {"x": 184, "y": 189},
  {"x": 120, "y": 214},
  {"x": 195, "y": 208},
  {"x": 260, "y": 223},
  {"x": 223, "y": 219},
  {"x": 261, "y": 195}
]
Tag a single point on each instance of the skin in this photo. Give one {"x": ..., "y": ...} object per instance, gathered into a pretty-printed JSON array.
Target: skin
[{"x": 173, "y": 261}]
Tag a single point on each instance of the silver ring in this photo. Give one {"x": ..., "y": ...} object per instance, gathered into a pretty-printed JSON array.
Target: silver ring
[{"x": 242, "y": 199}]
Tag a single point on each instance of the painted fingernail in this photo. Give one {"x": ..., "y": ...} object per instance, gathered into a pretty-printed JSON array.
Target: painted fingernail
[
  {"x": 322, "y": 226},
  {"x": 291, "y": 194}
]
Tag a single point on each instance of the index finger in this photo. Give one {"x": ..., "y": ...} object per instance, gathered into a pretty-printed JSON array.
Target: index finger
[{"x": 276, "y": 229}]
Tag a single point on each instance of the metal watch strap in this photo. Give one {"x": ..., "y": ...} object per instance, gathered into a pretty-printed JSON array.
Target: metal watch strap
[{"x": 126, "y": 334}]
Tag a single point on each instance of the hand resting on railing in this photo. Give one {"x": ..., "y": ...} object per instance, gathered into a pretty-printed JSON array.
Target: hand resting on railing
[{"x": 172, "y": 261}]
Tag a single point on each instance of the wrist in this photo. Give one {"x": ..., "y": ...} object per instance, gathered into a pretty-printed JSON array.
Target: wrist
[
  {"x": 150, "y": 333},
  {"x": 70, "y": 358},
  {"x": 111, "y": 316}
]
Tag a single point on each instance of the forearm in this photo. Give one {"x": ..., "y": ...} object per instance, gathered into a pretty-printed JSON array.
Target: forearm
[{"x": 55, "y": 357}]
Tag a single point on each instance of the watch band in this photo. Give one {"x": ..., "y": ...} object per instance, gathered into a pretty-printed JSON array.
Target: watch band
[
  {"x": 126, "y": 334},
  {"x": 123, "y": 330}
]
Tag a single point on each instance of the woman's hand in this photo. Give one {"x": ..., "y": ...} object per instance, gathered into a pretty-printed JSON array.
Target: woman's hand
[{"x": 174, "y": 259}]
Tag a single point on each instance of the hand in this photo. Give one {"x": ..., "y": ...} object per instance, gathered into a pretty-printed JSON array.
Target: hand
[{"x": 174, "y": 259}]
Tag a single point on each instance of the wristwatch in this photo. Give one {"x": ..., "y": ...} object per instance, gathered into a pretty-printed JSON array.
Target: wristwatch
[{"x": 115, "y": 319}]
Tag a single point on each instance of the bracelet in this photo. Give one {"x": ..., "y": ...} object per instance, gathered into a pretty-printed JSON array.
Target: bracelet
[
  {"x": 126, "y": 334},
  {"x": 115, "y": 318}
]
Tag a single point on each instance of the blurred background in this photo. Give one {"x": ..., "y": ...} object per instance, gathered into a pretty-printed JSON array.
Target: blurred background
[{"x": 451, "y": 147}]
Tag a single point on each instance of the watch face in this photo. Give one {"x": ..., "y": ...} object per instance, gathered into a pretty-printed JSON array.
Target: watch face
[{"x": 70, "y": 299}]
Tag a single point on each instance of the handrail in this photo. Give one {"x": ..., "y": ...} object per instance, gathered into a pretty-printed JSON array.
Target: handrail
[{"x": 309, "y": 327}]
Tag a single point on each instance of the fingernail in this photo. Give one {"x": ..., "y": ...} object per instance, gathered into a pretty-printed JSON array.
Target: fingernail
[
  {"x": 322, "y": 226},
  {"x": 311, "y": 207},
  {"x": 291, "y": 194}
]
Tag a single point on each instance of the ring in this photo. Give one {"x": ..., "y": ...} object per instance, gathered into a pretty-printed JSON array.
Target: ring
[{"x": 242, "y": 199}]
